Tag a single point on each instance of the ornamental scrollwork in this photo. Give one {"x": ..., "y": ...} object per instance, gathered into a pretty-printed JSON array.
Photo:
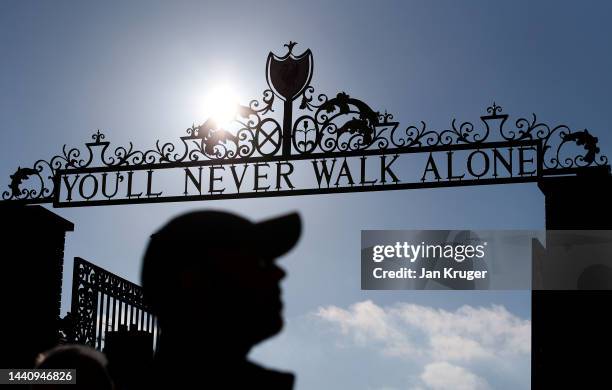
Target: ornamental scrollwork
[
  {"x": 90, "y": 280},
  {"x": 320, "y": 126}
]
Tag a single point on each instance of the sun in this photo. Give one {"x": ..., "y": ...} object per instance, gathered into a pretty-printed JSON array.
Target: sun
[{"x": 221, "y": 104}]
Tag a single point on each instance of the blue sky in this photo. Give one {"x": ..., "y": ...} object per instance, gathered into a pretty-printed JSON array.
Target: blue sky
[{"x": 139, "y": 71}]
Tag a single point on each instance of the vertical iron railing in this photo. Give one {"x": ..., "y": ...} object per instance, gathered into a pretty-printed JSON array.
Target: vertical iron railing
[{"x": 104, "y": 302}]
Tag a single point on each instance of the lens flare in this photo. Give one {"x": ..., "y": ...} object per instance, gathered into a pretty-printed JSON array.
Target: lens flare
[{"x": 222, "y": 105}]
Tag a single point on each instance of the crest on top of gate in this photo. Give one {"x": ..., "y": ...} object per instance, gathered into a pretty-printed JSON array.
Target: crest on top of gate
[{"x": 289, "y": 75}]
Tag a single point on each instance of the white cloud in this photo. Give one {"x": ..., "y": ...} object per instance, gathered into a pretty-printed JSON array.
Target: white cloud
[
  {"x": 457, "y": 348},
  {"x": 368, "y": 323},
  {"x": 445, "y": 376},
  {"x": 407, "y": 330}
]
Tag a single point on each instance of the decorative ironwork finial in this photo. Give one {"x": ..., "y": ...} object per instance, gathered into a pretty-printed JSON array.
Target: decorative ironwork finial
[
  {"x": 290, "y": 46},
  {"x": 98, "y": 136},
  {"x": 494, "y": 109}
]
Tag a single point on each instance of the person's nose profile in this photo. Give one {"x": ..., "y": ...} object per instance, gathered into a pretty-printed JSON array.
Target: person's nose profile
[{"x": 280, "y": 273}]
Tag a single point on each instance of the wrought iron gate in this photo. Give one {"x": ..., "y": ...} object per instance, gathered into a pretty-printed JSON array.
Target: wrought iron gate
[{"x": 103, "y": 302}]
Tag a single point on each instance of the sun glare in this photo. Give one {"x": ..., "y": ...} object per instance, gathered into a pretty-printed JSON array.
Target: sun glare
[{"x": 222, "y": 105}]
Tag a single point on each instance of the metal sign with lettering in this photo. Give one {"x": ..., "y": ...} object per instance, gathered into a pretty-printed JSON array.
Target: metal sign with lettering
[{"x": 315, "y": 145}]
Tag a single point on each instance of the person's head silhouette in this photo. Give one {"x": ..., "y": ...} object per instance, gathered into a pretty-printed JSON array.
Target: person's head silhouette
[
  {"x": 91, "y": 367},
  {"x": 212, "y": 280}
]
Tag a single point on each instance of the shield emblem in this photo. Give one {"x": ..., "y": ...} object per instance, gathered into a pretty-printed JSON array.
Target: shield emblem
[{"x": 289, "y": 75}]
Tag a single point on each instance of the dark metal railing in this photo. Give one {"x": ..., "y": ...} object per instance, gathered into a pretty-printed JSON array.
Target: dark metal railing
[{"x": 103, "y": 302}]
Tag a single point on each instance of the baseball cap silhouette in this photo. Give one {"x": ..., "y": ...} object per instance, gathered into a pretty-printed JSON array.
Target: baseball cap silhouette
[{"x": 190, "y": 240}]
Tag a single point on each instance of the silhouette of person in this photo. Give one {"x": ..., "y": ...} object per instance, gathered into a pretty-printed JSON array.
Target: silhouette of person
[
  {"x": 211, "y": 279},
  {"x": 90, "y": 365}
]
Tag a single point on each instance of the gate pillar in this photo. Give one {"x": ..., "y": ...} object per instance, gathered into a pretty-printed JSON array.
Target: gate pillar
[
  {"x": 572, "y": 329},
  {"x": 32, "y": 256}
]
